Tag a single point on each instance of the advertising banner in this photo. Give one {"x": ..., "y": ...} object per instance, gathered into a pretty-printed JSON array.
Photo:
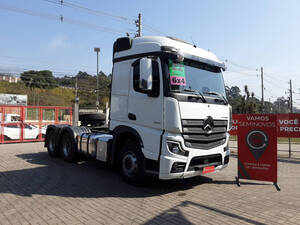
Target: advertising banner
[
  {"x": 288, "y": 125},
  {"x": 235, "y": 122},
  {"x": 257, "y": 147},
  {"x": 13, "y": 99}
]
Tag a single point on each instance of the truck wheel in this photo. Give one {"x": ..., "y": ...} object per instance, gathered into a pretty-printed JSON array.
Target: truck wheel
[
  {"x": 131, "y": 163},
  {"x": 38, "y": 136},
  {"x": 53, "y": 151},
  {"x": 68, "y": 148},
  {"x": 6, "y": 138}
]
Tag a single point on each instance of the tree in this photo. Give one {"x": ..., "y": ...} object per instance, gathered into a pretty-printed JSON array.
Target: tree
[
  {"x": 234, "y": 97},
  {"x": 248, "y": 104},
  {"x": 38, "y": 79},
  {"x": 233, "y": 92},
  {"x": 65, "y": 81},
  {"x": 281, "y": 105}
]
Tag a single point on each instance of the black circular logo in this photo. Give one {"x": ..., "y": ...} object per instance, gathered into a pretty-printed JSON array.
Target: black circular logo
[{"x": 257, "y": 141}]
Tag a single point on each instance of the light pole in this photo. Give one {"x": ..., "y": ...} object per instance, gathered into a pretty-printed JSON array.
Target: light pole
[{"x": 97, "y": 50}]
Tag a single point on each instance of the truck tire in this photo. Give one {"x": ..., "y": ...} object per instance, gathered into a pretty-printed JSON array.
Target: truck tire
[
  {"x": 68, "y": 148},
  {"x": 131, "y": 163},
  {"x": 52, "y": 149}
]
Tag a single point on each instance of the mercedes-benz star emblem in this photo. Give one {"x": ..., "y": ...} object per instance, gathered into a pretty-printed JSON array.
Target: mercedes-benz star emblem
[{"x": 208, "y": 124}]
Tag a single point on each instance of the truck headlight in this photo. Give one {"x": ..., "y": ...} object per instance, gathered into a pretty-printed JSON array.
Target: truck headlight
[{"x": 175, "y": 148}]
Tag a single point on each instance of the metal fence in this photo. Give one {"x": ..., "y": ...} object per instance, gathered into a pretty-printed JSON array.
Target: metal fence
[{"x": 29, "y": 123}]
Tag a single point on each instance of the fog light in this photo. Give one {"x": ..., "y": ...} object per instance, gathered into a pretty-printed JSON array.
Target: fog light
[
  {"x": 175, "y": 148},
  {"x": 178, "y": 167},
  {"x": 226, "y": 159}
]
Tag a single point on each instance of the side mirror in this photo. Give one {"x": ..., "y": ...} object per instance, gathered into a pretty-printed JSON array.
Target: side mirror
[{"x": 145, "y": 81}]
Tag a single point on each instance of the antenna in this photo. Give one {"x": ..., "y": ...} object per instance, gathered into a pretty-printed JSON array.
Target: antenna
[{"x": 195, "y": 46}]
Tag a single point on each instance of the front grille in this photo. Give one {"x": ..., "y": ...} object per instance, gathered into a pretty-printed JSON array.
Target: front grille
[
  {"x": 195, "y": 136},
  {"x": 199, "y": 162}
]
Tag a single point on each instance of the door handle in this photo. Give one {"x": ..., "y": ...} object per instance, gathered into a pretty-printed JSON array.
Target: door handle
[{"x": 131, "y": 116}]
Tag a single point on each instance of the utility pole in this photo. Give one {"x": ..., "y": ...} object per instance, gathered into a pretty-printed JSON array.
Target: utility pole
[
  {"x": 291, "y": 96},
  {"x": 97, "y": 50},
  {"x": 76, "y": 105},
  {"x": 291, "y": 108},
  {"x": 138, "y": 24},
  {"x": 262, "y": 88},
  {"x": 76, "y": 89}
]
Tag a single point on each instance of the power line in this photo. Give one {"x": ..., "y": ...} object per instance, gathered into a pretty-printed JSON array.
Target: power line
[
  {"x": 238, "y": 65},
  {"x": 267, "y": 74},
  {"x": 91, "y": 11},
  {"x": 56, "y": 18},
  {"x": 150, "y": 28},
  {"x": 269, "y": 93},
  {"x": 153, "y": 30},
  {"x": 274, "y": 84},
  {"x": 241, "y": 72},
  {"x": 257, "y": 96}
]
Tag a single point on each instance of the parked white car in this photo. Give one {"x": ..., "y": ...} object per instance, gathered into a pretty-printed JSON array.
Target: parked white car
[{"x": 13, "y": 131}]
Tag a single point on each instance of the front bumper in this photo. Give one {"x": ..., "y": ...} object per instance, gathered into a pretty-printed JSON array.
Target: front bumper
[{"x": 193, "y": 164}]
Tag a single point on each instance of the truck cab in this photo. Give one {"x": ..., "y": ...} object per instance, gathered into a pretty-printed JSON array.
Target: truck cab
[
  {"x": 171, "y": 95},
  {"x": 169, "y": 116}
]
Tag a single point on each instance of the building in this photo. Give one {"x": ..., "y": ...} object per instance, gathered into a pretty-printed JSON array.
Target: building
[{"x": 9, "y": 78}]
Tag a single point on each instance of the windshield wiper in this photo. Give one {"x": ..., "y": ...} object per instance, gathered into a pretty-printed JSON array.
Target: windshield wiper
[
  {"x": 196, "y": 92},
  {"x": 217, "y": 94}
]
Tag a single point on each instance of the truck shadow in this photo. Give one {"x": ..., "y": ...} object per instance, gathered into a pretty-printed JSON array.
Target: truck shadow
[
  {"x": 176, "y": 212},
  {"x": 90, "y": 179}
]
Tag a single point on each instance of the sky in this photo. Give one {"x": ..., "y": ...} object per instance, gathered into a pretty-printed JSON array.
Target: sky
[{"x": 246, "y": 35}]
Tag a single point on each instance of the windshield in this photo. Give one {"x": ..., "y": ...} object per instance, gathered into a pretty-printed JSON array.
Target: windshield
[{"x": 195, "y": 77}]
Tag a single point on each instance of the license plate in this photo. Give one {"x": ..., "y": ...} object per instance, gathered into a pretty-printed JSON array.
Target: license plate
[{"x": 208, "y": 169}]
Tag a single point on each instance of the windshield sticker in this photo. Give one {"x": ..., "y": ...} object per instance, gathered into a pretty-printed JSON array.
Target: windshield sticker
[
  {"x": 177, "y": 80},
  {"x": 177, "y": 74}
]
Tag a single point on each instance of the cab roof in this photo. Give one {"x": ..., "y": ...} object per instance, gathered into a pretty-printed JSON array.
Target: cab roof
[{"x": 126, "y": 46}]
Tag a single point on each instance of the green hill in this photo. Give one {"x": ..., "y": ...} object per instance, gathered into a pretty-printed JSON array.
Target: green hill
[{"x": 43, "y": 89}]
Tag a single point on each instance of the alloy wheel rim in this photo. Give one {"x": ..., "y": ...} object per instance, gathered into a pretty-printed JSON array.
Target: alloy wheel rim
[{"x": 129, "y": 164}]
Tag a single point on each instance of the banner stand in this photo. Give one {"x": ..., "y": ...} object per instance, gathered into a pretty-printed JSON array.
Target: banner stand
[
  {"x": 237, "y": 180},
  {"x": 257, "y": 148}
]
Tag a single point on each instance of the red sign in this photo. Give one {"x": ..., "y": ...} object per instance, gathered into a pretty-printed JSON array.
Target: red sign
[
  {"x": 288, "y": 125},
  {"x": 257, "y": 147},
  {"x": 235, "y": 122}
]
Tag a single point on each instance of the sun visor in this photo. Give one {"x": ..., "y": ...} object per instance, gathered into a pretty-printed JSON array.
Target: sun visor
[{"x": 204, "y": 60}]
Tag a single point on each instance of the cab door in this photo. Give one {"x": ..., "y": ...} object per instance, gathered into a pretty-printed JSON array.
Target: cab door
[{"x": 145, "y": 103}]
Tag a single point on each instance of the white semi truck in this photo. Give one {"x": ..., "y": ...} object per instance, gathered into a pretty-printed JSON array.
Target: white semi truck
[{"x": 169, "y": 116}]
